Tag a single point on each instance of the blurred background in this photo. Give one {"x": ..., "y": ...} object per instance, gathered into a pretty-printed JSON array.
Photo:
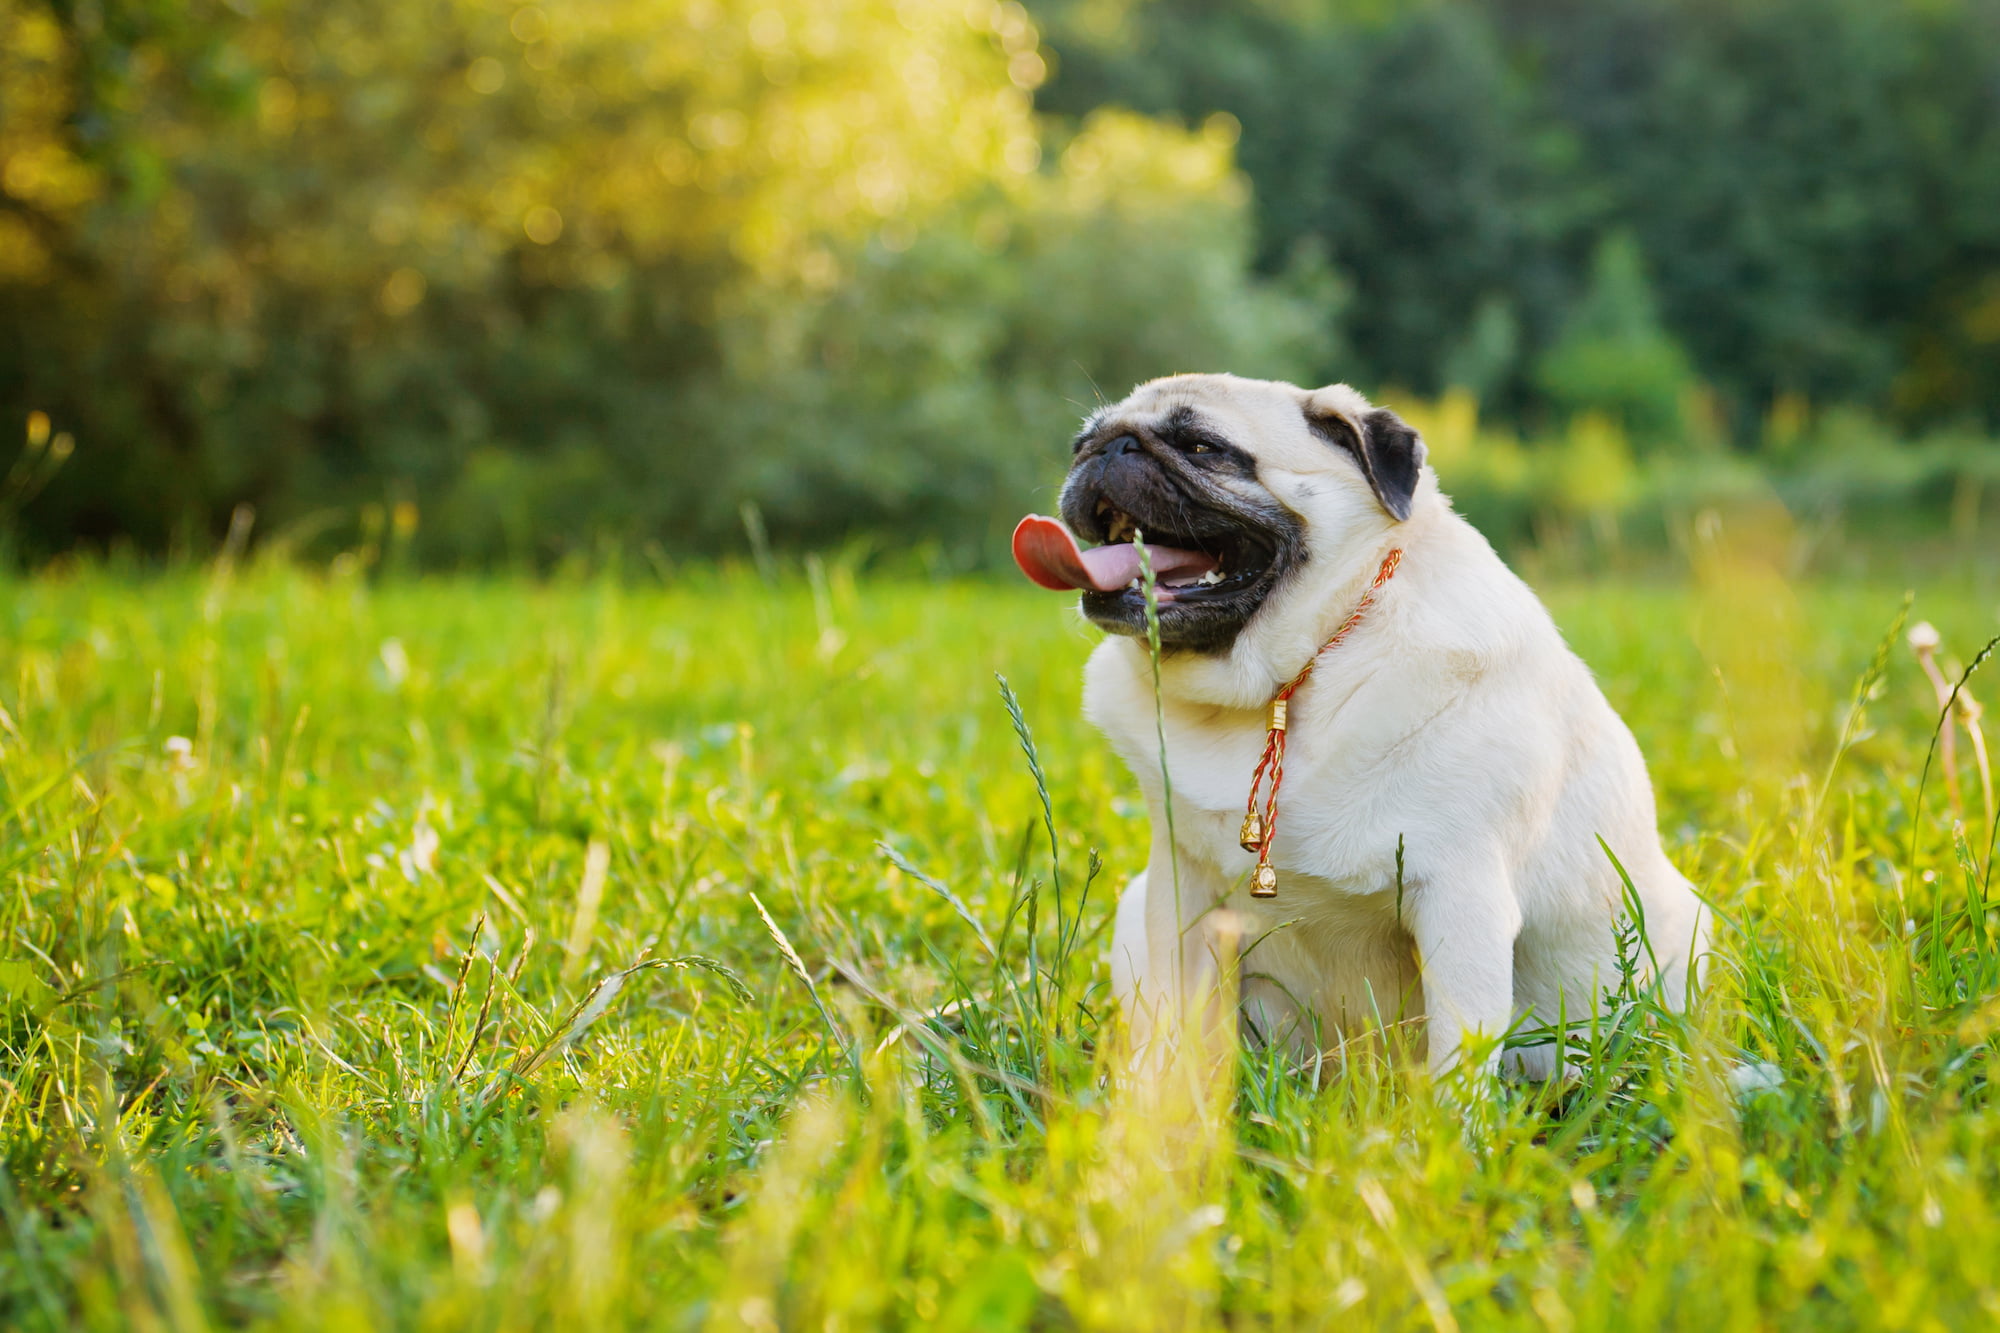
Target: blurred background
[{"x": 494, "y": 284}]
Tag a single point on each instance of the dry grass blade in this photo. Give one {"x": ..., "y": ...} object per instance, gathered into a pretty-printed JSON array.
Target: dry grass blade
[
  {"x": 1941, "y": 734},
  {"x": 798, "y": 969},
  {"x": 593, "y": 1006},
  {"x": 1924, "y": 642}
]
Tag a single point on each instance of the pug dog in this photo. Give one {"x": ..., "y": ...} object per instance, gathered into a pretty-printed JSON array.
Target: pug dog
[{"x": 1454, "y": 786}]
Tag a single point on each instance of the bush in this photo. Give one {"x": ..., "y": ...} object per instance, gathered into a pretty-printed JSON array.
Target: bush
[{"x": 1614, "y": 359}]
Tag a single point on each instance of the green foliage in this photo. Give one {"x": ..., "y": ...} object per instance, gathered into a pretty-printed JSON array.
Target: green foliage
[
  {"x": 1595, "y": 490},
  {"x": 567, "y": 273},
  {"x": 1397, "y": 149},
  {"x": 1614, "y": 358},
  {"x": 521, "y": 281},
  {"x": 373, "y": 955},
  {"x": 1812, "y": 184}
]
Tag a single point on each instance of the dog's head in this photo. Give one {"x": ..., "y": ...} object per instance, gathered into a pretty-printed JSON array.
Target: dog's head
[{"x": 1258, "y": 477}]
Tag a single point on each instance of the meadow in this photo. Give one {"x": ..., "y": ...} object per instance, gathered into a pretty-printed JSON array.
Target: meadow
[{"x": 625, "y": 950}]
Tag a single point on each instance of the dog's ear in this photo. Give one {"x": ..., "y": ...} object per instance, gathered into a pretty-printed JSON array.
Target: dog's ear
[{"x": 1389, "y": 450}]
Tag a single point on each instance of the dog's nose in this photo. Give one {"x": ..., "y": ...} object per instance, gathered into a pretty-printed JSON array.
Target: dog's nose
[{"x": 1124, "y": 444}]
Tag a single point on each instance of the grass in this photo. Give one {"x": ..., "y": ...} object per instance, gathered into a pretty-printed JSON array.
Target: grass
[{"x": 453, "y": 954}]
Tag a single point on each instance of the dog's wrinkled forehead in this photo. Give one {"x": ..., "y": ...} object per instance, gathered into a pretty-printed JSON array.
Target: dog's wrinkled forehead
[{"x": 1264, "y": 419}]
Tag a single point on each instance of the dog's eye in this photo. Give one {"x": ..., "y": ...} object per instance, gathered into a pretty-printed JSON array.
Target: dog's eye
[{"x": 1199, "y": 448}]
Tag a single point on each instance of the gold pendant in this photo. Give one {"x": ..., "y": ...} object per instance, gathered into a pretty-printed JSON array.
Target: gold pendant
[
  {"x": 1265, "y": 883},
  {"x": 1252, "y": 836}
]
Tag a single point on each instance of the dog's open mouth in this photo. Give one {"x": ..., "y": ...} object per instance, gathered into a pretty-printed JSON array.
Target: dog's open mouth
[
  {"x": 1186, "y": 566},
  {"x": 1222, "y": 563},
  {"x": 1217, "y": 546}
]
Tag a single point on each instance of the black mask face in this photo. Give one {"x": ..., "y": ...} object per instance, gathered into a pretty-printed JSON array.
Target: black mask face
[{"x": 1181, "y": 485}]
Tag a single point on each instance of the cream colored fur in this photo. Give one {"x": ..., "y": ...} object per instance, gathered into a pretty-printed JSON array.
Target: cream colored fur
[{"x": 1454, "y": 719}]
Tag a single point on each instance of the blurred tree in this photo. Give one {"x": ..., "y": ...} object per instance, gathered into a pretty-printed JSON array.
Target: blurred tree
[
  {"x": 1395, "y": 139},
  {"x": 915, "y": 393},
  {"x": 1768, "y": 157},
  {"x": 1490, "y": 348},
  {"x": 1613, "y": 358}
]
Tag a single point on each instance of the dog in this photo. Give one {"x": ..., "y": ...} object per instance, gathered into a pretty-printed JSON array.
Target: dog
[{"x": 1451, "y": 786}]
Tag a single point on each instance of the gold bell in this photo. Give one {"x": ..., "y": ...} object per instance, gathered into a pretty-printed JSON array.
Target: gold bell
[
  {"x": 1264, "y": 884},
  {"x": 1252, "y": 836}
]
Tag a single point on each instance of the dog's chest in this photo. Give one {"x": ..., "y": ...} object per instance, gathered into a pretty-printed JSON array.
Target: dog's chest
[{"x": 1335, "y": 744}]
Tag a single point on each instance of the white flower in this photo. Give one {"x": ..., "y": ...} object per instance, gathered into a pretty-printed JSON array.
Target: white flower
[
  {"x": 421, "y": 855},
  {"x": 395, "y": 661},
  {"x": 1748, "y": 1079}
]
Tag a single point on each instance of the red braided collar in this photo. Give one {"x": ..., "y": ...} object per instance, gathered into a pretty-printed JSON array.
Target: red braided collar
[{"x": 1259, "y": 829}]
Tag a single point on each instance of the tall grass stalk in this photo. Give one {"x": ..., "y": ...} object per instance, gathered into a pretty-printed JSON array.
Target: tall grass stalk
[{"x": 1149, "y": 587}]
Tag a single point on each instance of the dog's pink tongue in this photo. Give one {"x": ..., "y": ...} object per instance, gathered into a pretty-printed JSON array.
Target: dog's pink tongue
[{"x": 1047, "y": 553}]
